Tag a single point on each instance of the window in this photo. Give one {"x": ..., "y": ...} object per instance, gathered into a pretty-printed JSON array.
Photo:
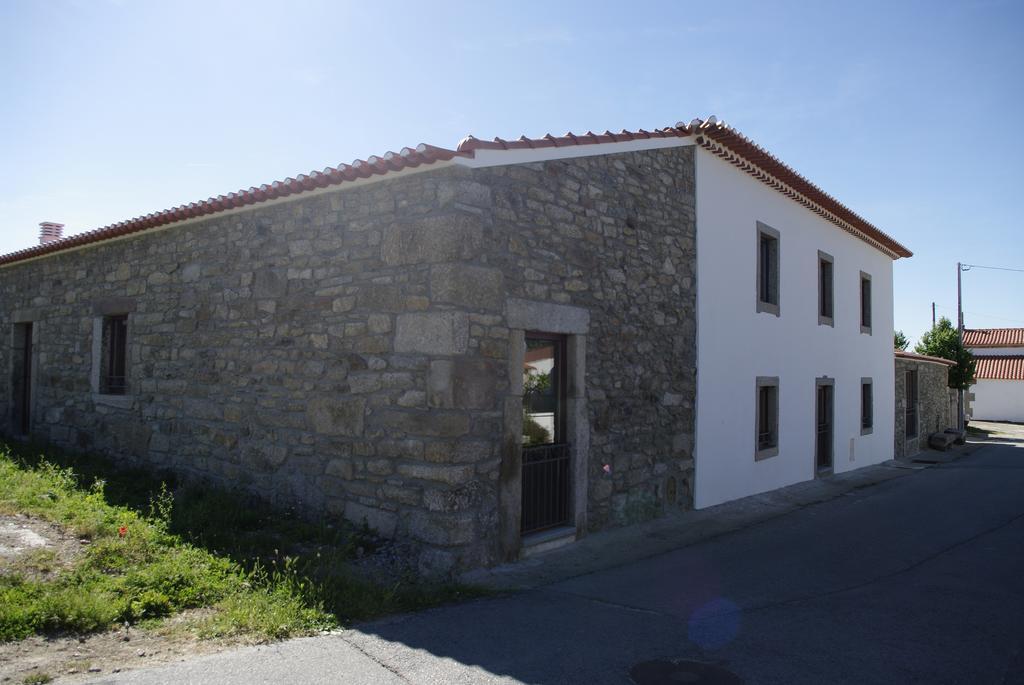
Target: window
[
  {"x": 767, "y": 438},
  {"x": 867, "y": 406},
  {"x": 114, "y": 355},
  {"x": 865, "y": 303},
  {"x": 826, "y": 298},
  {"x": 544, "y": 389},
  {"x": 767, "y": 269}
]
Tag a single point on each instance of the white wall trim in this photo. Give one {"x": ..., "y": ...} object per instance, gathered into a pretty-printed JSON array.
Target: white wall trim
[{"x": 488, "y": 158}]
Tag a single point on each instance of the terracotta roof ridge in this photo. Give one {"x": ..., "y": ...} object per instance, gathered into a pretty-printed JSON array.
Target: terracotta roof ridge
[
  {"x": 994, "y": 337},
  {"x": 471, "y": 143},
  {"x": 755, "y": 160},
  {"x": 732, "y": 139},
  {"x": 329, "y": 176},
  {"x": 903, "y": 354},
  {"x": 712, "y": 134},
  {"x": 1007, "y": 367}
]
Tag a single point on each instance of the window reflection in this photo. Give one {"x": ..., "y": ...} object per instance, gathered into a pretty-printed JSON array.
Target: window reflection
[{"x": 542, "y": 391}]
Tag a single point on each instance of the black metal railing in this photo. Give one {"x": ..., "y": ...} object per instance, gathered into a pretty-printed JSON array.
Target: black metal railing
[
  {"x": 114, "y": 385},
  {"x": 547, "y": 491}
]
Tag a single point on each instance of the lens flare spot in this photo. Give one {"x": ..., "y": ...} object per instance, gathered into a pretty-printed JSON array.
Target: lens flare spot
[{"x": 715, "y": 624}]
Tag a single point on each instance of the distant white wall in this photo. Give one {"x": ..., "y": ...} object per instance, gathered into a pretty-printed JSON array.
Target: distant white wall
[
  {"x": 990, "y": 351},
  {"x": 998, "y": 400},
  {"x": 735, "y": 344}
]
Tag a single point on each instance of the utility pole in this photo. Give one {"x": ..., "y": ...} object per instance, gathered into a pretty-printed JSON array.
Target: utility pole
[
  {"x": 933, "y": 315},
  {"x": 960, "y": 339}
]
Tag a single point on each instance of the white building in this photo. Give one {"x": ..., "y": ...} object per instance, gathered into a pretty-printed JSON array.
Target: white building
[
  {"x": 811, "y": 368},
  {"x": 998, "y": 393}
]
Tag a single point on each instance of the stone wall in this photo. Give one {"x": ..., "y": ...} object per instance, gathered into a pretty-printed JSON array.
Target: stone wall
[
  {"x": 348, "y": 351},
  {"x": 934, "y": 398},
  {"x": 614, "y": 235}
]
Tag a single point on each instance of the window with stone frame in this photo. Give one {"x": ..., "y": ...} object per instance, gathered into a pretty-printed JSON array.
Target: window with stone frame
[
  {"x": 865, "y": 303},
  {"x": 114, "y": 356},
  {"x": 826, "y": 290},
  {"x": 767, "y": 269},
  {"x": 767, "y": 420},
  {"x": 867, "y": 406}
]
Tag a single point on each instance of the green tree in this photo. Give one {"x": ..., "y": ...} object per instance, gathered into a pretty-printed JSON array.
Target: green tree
[
  {"x": 899, "y": 340},
  {"x": 942, "y": 341}
]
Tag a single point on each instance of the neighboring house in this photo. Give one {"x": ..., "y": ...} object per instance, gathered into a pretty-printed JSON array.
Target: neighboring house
[
  {"x": 695, "y": 322},
  {"x": 998, "y": 392},
  {"x": 925, "y": 403}
]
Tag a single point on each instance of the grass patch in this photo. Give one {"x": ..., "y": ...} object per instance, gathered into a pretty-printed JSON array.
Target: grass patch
[{"x": 266, "y": 574}]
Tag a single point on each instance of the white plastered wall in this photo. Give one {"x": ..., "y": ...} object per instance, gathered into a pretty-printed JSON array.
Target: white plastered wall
[
  {"x": 995, "y": 351},
  {"x": 998, "y": 400},
  {"x": 736, "y": 344}
]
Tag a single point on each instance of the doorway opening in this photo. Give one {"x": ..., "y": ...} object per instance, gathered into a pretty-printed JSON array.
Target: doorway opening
[
  {"x": 547, "y": 456},
  {"x": 824, "y": 419},
  {"x": 21, "y": 382}
]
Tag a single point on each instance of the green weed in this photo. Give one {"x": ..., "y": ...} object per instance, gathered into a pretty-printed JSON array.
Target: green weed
[{"x": 156, "y": 548}]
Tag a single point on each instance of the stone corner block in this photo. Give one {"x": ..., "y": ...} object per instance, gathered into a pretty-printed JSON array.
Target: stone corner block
[
  {"x": 431, "y": 239},
  {"x": 547, "y": 316},
  {"x": 475, "y": 287},
  {"x": 432, "y": 333}
]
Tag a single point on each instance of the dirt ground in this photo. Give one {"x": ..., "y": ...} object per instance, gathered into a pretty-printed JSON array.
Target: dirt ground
[
  {"x": 35, "y": 548},
  {"x": 71, "y": 659},
  {"x": 40, "y": 550}
]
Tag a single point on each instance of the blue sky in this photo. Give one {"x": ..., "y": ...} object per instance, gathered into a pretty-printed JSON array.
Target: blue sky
[{"x": 910, "y": 113}]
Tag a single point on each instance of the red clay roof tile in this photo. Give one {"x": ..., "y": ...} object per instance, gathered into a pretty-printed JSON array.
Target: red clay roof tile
[
  {"x": 408, "y": 158},
  {"x": 1000, "y": 367},
  {"x": 711, "y": 134},
  {"x": 994, "y": 337}
]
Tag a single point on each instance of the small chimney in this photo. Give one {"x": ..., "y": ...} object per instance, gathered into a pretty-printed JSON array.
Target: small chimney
[{"x": 49, "y": 232}]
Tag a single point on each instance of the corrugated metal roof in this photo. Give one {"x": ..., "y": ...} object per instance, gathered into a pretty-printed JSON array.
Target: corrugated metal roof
[
  {"x": 994, "y": 337},
  {"x": 1000, "y": 367}
]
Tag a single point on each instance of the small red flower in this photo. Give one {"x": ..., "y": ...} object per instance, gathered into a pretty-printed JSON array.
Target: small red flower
[{"x": 122, "y": 531}]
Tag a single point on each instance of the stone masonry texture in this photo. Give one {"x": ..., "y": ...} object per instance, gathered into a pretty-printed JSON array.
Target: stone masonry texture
[
  {"x": 935, "y": 398},
  {"x": 346, "y": 352}
]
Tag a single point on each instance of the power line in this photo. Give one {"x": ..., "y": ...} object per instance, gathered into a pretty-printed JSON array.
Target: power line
[
  {"x": 965, "y": 267},
  {"x": 986, "y": 316}
]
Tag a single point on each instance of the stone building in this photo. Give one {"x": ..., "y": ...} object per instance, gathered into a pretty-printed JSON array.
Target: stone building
[
  {"x": 486, "y": 350},
  {"x": 925, "y": 403}
]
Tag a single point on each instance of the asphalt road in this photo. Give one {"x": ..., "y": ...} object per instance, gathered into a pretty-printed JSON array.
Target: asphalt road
[{"x": 914, "y": 580}]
